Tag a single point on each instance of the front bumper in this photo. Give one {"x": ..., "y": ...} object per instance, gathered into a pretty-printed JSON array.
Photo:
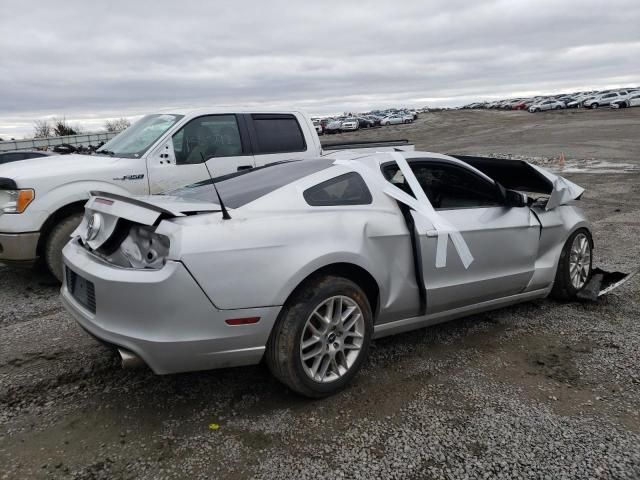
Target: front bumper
[
  {"x": 19, "y": 248},
  {"x": 164, "y": 317}
]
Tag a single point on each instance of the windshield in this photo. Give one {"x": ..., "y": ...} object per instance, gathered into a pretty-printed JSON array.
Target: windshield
[{"x": 135, "y": 140}]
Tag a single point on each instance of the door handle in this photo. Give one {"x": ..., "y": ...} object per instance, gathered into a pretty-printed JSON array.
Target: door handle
[{"x": 244, "y": 167}]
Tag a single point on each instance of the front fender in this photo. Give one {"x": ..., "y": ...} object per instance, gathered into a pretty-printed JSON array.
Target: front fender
[{"x": 46, "y": 205}]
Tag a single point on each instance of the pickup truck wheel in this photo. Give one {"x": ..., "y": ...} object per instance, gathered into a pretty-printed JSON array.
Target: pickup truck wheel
[
  {"x": 58, "y": 238},
  {"x": 574, "y": 266},
  {"x": 321, "y": 337}
]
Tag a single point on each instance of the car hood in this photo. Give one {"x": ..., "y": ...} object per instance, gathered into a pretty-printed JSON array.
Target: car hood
[{"x": 43, "y": 166}]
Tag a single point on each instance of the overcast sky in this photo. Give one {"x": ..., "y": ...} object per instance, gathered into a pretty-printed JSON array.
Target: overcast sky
[{"x": 91, "y": 60}]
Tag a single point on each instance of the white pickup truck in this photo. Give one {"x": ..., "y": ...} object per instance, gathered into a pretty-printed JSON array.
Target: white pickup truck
[{"x": 42, "y": 199}]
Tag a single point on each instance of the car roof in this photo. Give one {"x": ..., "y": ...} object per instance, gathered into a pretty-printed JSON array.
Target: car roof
[{"x": 186, "y": 111}]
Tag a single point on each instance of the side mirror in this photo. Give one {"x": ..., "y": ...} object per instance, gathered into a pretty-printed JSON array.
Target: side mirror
[
  {"x": 515, "y": 199},
  {"x": 511, "y": 198}
]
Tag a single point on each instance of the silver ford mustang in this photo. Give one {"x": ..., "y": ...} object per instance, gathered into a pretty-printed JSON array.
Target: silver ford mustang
[{"x": 302, "y": 263}]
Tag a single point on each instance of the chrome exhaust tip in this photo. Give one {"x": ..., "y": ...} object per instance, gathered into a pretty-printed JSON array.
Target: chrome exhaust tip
[{"x": 130, "y": 360}]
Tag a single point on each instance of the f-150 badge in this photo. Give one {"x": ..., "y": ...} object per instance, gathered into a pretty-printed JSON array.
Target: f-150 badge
[{"x": 139, "y": 176}]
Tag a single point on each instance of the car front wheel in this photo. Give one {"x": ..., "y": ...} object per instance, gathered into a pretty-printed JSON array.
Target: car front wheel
[
  {"x": 594, "y": 106},
  {"x": 321, "y": 337},
  {"x": 574, "y": 267}
]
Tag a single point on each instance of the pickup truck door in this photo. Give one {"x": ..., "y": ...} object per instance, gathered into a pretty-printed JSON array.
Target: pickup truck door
[
  {"x": 503, "y": 241},
  {"x": 219, "y": 140},
  {"x": 277, "y": 137}
]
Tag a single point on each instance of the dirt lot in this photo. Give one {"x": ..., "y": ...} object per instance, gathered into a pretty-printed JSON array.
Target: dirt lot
[{"x": 540, "y": 390}]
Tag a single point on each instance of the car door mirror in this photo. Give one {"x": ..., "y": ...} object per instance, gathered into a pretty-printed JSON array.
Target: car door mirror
[
  {"x": 511, "y": 198},
  {"x": 515, "y": 199}
]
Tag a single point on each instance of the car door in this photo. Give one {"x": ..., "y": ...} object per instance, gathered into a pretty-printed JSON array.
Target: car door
[
  {"x": 502, "y": 240},
  {"x": 277, "y": 137},
  {"x": 207, "y": 146}
]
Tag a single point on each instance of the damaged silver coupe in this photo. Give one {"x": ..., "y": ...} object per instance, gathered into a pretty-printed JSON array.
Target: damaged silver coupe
[{"x": 302, "y": 263}]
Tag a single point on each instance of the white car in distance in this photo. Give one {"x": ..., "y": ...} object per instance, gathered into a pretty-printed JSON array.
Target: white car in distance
[
  {"x": 392, "y": 120},
  {"x": 632, "y": 100},
  {"x": 605, "y": 99},
  {"x": 546, "y": 105},
  {"x": 350, "y": 124}
]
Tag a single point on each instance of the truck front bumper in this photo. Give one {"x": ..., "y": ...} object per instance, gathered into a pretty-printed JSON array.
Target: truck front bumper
[{"x": 19, "y": 248}]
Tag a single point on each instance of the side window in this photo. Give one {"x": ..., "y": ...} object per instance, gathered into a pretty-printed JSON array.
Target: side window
[
  {"x": 347, "y": 189},
  {"x": 206, "y": 137},
  {"x": 277, "y": 134},
  {"x": 447, "y": 186}
]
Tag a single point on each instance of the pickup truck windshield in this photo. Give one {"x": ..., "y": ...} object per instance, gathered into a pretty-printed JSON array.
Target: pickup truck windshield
[{"x": 135, "y": 140}]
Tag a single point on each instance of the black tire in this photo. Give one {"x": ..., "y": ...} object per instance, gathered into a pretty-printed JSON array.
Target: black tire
[
  {"x": 558, "y": 107},
  {"x": 594, "y": 106},
  {"x": 283, "y": 355},
  {"x": 563, "y": 289},
  {"x": 57, "y": 239}
]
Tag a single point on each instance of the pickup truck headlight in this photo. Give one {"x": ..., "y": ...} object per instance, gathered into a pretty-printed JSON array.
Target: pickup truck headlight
[{"x": 16, "y": 201}]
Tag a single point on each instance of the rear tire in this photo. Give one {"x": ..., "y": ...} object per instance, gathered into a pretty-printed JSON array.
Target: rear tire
[
  {"x": 336, "y": 349},
  {"x": 565, "y": 286},
  {"x": 594, "y": 106},
  {"x": 58, "y": 238}
]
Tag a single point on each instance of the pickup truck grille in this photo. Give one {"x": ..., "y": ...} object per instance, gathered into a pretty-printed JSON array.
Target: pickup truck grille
[{"x": 81, "y": 289}]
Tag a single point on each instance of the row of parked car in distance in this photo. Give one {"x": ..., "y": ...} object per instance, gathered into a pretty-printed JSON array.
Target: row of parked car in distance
[
  {"x": 615, "y": 98},
  {"x": 377, "y": 118}
]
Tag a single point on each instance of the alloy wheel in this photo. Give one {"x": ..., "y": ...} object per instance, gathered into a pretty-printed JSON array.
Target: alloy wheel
[
  {"x": 332, "y": 339},
  {"x": 580, "y": 261}
]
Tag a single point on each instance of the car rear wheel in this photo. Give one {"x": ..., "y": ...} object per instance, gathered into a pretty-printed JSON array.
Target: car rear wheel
[
  {"x": 321, "y": 338},
  {"x": 58, "y": 238},
  {"x": 594, "y": 106},
  {"x": 574, "y": 267}
]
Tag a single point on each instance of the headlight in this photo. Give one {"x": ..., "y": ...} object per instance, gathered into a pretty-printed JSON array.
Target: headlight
[
  {"x": 144, "y": 248},
  {"x": 16, "y": 201}
]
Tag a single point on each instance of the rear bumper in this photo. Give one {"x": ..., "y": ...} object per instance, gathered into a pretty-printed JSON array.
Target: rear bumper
[
  {"x": 18, "y": 248},
  {"x": 164, "y": 317}
]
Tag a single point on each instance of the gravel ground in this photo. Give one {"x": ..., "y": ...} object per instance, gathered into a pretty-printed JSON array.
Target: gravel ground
[{"x": 543, "y": 390}]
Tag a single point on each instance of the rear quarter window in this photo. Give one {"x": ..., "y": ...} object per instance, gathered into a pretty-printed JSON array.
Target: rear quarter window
[
  {"x": 347, "y": 189},
  {"x": 277, "y": 134}
]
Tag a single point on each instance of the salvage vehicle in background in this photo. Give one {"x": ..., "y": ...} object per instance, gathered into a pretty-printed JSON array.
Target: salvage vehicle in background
[
  {"x": 364, "y": 122},
  {"x": 317, "y": 125},
  {"x": 42, "y": 199},
  {"x": 604, "y": 99},
  {"x": 392, "y": 120},
  {"x": 164, "y": 278},
  {"x": 7, "y": 157},
  {"x": 632, "y": 100},
  {"x": 350, "y": 124},
  {"x": 333, "y": 126},
  {"x": 546, "y": 105}
]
